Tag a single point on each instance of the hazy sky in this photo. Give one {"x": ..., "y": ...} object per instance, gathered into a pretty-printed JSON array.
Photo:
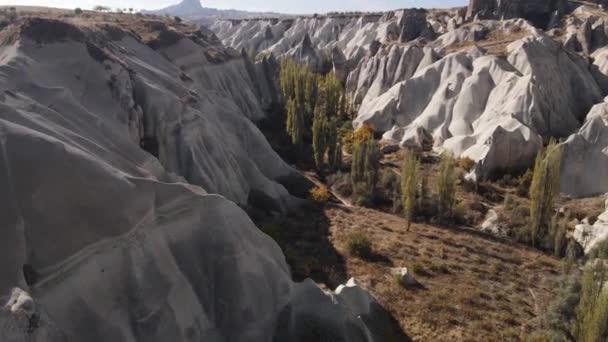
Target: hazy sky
[{"x": 283, "y": 6}]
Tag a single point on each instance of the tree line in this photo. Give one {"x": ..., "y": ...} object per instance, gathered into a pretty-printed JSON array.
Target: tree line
[{"x": 314, "y": 105}]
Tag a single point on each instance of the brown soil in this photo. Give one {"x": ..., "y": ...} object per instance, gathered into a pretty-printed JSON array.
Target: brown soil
[{"x": 474, "y": 288}]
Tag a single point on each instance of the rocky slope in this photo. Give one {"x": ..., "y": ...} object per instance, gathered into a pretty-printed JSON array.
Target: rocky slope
[
  {"x": 542, "y": 13},
  {"x": 326, "y": 42},
  {"x": 102, "y": 122}
]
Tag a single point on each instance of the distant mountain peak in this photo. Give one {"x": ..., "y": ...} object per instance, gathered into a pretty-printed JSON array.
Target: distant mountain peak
[
  {"x": 192, "y": 4},
  {"x": 194, "y": 10}
]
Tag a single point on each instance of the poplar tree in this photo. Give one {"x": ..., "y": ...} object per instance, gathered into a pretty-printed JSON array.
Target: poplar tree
[
  {"x": 366, "y": 164},
  {"x": 446, "y": 187},
  {"x": 409, "y": 184},
  {"x": 592, "y": 310},
  {"x": 295, "y": 122},
  {"x": 543, "y": 190}
]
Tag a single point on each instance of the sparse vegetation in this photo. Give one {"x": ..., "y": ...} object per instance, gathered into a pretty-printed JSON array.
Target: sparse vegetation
[
  {"x": 360, "y": 245},
  {"x": 320, "y": 194},
  {"x": 78, "y": 11},
  {"x": 592, "y": 309}
]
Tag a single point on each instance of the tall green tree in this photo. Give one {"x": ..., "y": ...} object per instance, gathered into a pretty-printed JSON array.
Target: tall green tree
[
  {"x": 543, "y": 190},
  {"x": 592, "y": 310},
  {"x": 409, "y": 186},
  {"x": 319, "y": 138},
  {"x": 446, "y": 187},
  {"x": 366, "y": 164},
  {"x": 295, "y": 122}
]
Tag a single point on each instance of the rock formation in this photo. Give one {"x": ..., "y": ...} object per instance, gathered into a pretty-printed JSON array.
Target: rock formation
[
  {"x": 541, "y": 13},
  {"x": 589, "y": 236},
  {"x": 353, "y": 35},
  {"x": 485, "y": 89},
  {"x": 101, "y": 124},
  {"x": 585, "y": 156}
]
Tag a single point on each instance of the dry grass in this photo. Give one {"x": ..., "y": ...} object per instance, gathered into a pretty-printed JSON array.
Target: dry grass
[{"x": 474, "y": 288}]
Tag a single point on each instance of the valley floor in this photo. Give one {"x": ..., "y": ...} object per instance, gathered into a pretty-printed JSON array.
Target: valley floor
[{"x": 474, "y": 288}]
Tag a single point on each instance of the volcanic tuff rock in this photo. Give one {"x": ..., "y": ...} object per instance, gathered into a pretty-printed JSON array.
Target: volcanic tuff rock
[
  {"x": 486, "y": 89},
  {"x": 105, "y": 239},
  {"x": 490, "y": 109},
  {"x": 588, "y": 235},
  {"x": 585, "y": 156},
  {"x": 541, "y": 13},
  {"x": 353, "y": 35}
]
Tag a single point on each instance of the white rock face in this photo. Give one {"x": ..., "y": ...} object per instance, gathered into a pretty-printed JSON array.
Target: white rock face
[
  {"x": 588, "y": 235},
  {"x": 198, "y": 127},
  {"x": 353, "y": 35},
  {"x": 490, "y": 109},
  {"x": 585, "y": 156},
  {"x": 110, "y": 243},
  {"x": 374, "y": 75}
]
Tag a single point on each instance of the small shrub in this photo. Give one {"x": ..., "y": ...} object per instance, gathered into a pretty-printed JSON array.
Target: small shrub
[
  {"x": 177, "y": 19},
  {"x": 320, "y": 194},
  {"x": 465, "y": 163},
  {"x": 419, "y": 269},
  {"x": 360, "y": 245},
  {"x": 363, "y": 133},
  {"x": 78, "y": 11}
]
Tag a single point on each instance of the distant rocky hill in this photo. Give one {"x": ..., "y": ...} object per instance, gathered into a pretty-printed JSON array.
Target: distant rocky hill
[{"x": 192, "y": 10}]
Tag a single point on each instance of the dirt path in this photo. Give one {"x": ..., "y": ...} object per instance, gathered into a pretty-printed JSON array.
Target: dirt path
[{"x": 344, "y": 201}]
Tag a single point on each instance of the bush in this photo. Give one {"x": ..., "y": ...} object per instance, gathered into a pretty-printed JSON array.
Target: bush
[
  {"x": 177, "y": 19},
  {"x": 465, "y": 163},
  {"x": 320, "y": 194},
  {"x": 360, "y": 245},
  {"x": 363, "y": 133},
  {"x": 78, "y": 11}
]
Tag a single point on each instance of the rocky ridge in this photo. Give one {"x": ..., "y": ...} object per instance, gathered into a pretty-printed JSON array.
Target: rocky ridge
[{"x": 144, "y": 128}]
